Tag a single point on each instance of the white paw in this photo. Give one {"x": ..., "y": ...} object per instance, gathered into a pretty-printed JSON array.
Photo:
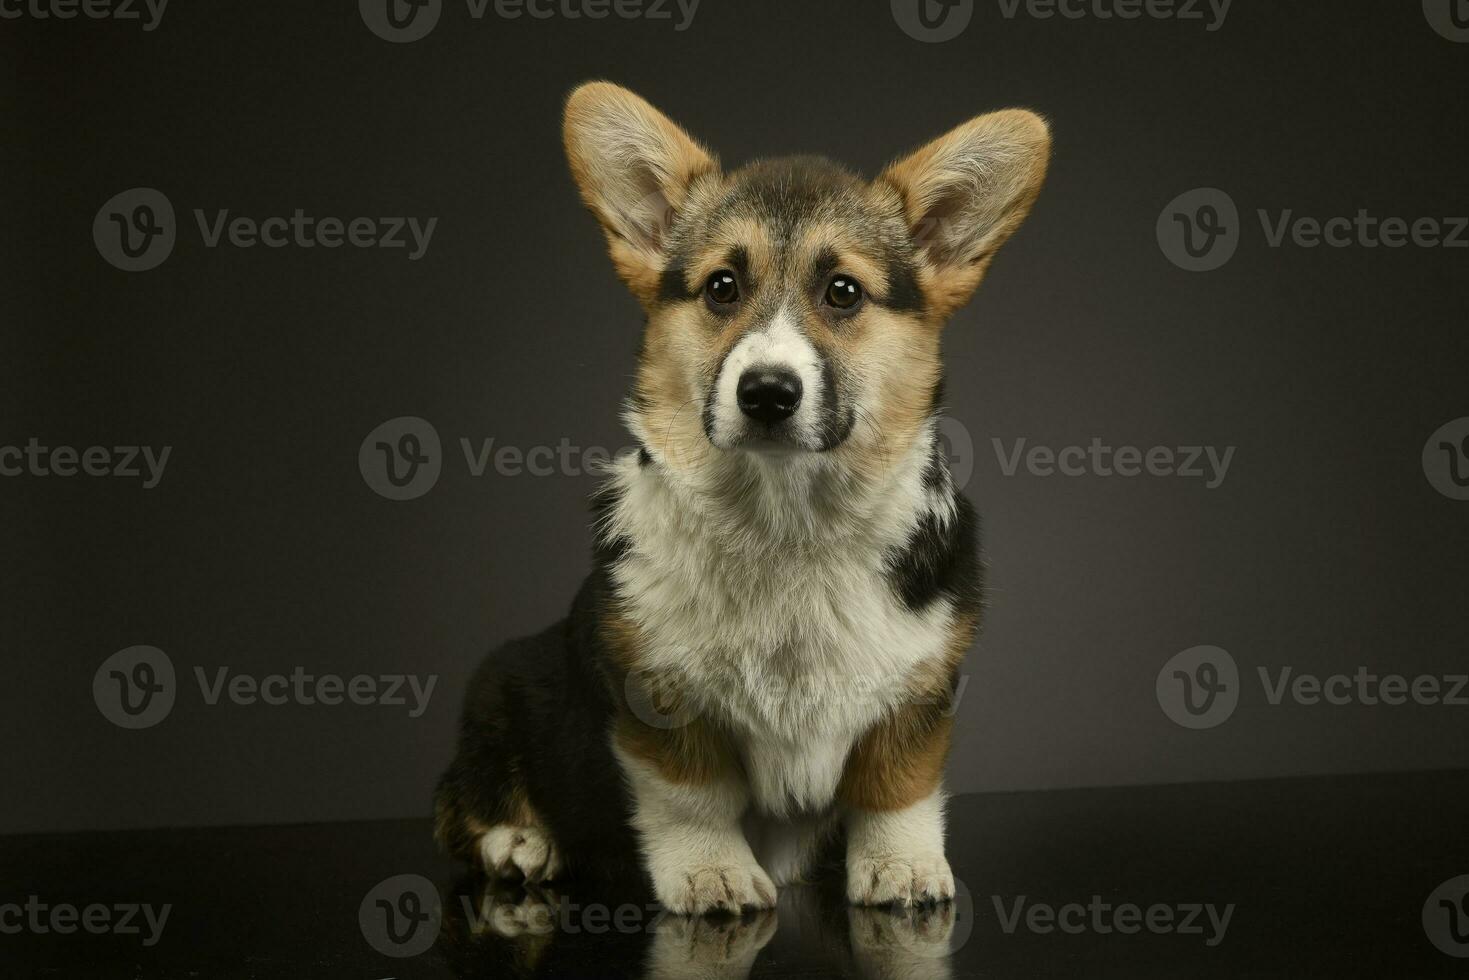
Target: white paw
[
  {"x": 715, "y": 888},
  {"x": 890, "y": 879},
  {"x": 526, "y": 852}
]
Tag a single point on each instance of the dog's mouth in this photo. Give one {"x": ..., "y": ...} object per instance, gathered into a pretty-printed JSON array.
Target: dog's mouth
[
  {"x": 784, "y": 440},
  {"x": 771, "y": 444}
]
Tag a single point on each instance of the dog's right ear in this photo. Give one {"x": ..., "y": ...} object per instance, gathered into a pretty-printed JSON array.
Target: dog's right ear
[{"x": 635, "y": 168}]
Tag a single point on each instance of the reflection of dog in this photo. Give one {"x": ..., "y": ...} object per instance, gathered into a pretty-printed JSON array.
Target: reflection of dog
[
  {"x": 496, "y": 929},
  {"x": 785, "y": 558}
]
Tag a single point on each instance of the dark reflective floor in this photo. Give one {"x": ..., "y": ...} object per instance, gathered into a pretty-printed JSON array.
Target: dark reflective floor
[{"x": 1341, "y": 877}]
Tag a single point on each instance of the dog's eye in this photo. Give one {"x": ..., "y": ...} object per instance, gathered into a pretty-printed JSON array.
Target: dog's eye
[
  {"x": 844, "y": 293},
  {"x": 723, "y": 288}
]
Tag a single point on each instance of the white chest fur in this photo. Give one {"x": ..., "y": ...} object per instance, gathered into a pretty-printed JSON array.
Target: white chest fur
[{"x": 797, "y": 646}]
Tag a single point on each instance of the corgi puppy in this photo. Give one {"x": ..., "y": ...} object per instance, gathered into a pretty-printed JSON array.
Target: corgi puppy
[{"x": 786, "y": 579}]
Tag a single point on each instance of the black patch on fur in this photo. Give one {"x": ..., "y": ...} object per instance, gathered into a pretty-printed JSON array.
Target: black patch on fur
[
  {"x": 823, "y": 267},
  {"x": 940, "y": 561},
  {"x": 903, "y": 292},
  {"x": 739, "y": 261},
  {"x": 672, "y": 287},
  {"x": 836, "y": 425},
  {"x": 645, "y": 458}
]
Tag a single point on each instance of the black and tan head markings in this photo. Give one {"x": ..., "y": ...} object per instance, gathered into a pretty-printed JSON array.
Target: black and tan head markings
[
  {"x": 794, "y": 306},
  {"x": 838, "y": 416},
  {"x": 788, "y": 200}
]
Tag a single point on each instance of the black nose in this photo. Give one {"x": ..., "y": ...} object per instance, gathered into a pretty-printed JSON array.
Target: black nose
[{"x": 768, "y": 395}]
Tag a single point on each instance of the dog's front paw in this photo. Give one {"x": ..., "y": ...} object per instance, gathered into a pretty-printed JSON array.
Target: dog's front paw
[
  {"x": 891, "y": 879},
  {"x": 715, "y": 888}
]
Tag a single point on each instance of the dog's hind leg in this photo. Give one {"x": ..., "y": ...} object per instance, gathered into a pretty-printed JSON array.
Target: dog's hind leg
[
  {"x": 491, "y": 823},
  {"x": 483, "y": 813}
]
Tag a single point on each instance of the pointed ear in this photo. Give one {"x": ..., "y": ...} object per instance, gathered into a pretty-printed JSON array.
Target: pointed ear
[
  {"x": 635, "y": 169},
  {"x": 966, "y": 192}
]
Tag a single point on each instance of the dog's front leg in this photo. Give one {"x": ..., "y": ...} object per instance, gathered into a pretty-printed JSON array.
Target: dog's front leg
[
  {"x": 897, "y": 856},
  {"x": 893, "y": 804},
  {"x": 688, "y": 798}
]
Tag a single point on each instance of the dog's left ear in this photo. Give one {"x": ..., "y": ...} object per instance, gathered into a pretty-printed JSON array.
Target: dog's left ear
[
  {"x": 965, "y": 193},
  {"x": 635, "y": 168}
]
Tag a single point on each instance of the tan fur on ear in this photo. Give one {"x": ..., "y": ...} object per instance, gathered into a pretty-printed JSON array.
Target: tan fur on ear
[
  {"x": 965, "y": 193},
  {"x": 635, "y": 169}
]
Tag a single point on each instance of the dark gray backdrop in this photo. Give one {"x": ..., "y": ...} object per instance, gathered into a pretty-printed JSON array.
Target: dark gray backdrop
[{"x": 1325, "y": 549}]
